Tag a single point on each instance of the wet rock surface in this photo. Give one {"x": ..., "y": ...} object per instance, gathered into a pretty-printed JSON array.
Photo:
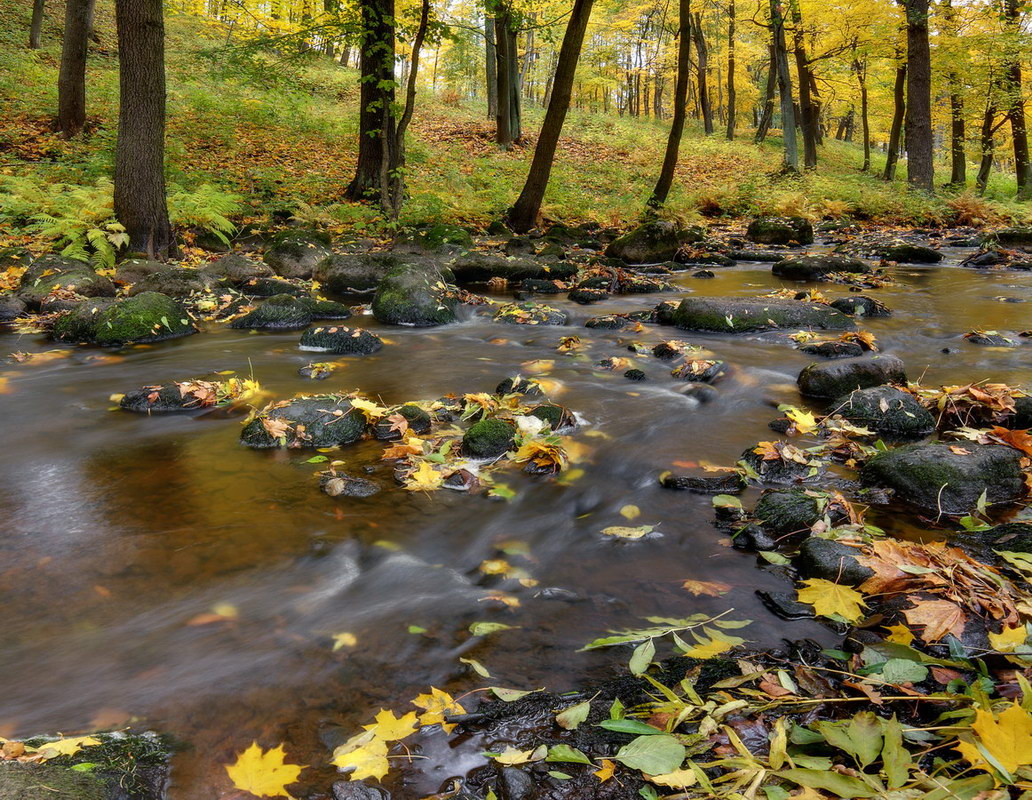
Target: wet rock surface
[
  {"x": 839, "y": 377},
  {"x": 738, "y": 315}
]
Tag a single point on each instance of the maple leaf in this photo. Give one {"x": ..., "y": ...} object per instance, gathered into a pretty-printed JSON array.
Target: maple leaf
[
  {"x": 424, "y": 478},
  {"x": 900, "y": 634},
  {"x": 364, "y": 755},
  {"x": 1007, "y": 738},
  {"x": 398, "y": 423},
  {"x": 937, "y": 618},
  {"x": 66, "y": 747},
  {"x": 263, "y": 773},
  {"x": 708, "y": 588},
  {"x": 605, "y": 772},
  {"x": 804, "y": 421},
  {"x": 828, "y": 599},
  {"x": 276, "y": 427},
  {"x": 1020, "y": 440},
  {"x": 1009, "y": 638},
  {"x": 371, "y": 410},
  {"x": 436, "y": 705},
  {"x": 390, "y": 728}
]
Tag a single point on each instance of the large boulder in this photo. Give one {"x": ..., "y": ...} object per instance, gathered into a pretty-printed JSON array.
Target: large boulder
[
  {"x": 886, "y": 410},
  {"x": 49, "y": 273},
  {"x": 136, "y": 269},
  {"x": 480, "y": 267},
  {"x": 147, "y": 317},
  {"x": 340, "y": 340},
  {"x": 840, "y": 377},
  {"x": 861, "y": 306},
  {"x": 745, "y": 315},
  {"x": 355, "y": 273},
  {"x": 285, "y": 312},
  {"x": 653, "y": 242},
  {"x": 294, "y": 254},
  {"x": 414, "y": 294},
  {"x": 319, "y": 421},
  {"x": 813, "y": 268},
  {"x": 780, "y": 230},
  {"x": 434, "y": 238},
  {"x": 236, "y": 269},
  {"x": 176, "y": 282},
  {"x": 949, "y": 478},
  {"x": 1014, "y": 237}
]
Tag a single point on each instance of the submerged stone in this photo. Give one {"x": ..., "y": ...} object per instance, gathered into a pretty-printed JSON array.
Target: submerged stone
[
  {"x": 319, "y": 421},
  {"x": 840, "y": 377},
  {"x": 746, "y": 315}
]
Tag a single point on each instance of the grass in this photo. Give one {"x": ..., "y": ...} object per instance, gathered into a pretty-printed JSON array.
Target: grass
[{"x": 285, "y": 138}]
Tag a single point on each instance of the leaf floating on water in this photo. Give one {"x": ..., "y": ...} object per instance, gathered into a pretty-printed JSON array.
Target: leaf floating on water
[
  {"x": 509, "y": 695},
  {"x": 476, "y": 666},
  {"x": 364, "y": 755},
  {"x": 263, "y": 773},
  {"x": 436, "y": 706},
  {"x": 630, "y": 512},
  {"x": 424, "y": 478},
  {"x": 390, "y": 728},
  {"x": 707, "y": 588},
  {"x": 628, "y": 533},
  {"x": 344, "y": 640},
  {"x": 485, "y": 628},
  {"x": 832, "y": 599}
]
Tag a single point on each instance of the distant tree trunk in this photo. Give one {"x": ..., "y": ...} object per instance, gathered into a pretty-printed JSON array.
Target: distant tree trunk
[
  {"x": 898, "y": 110},
  {"x": 491, "y": 62},
  {"x": 503, "y": 133},
  {"x": 807, "y": 111},
  {"x": 987, "y": 144},
  {"x": 523, "y": 215},
  {"x": 732, "y": 95},
  {"x": 767, "y": 115},
  {"x": 71, "y": 82},
  {"x": 920, "y": 167},
  {"x": 140, "y": 202},
  {"x": 701, "y": 57},
  {"x": 788, "y": 116},
  {"x": 684, "y": 61},
  {"x": 376, "y": 96},
  {"x": 958, "y": 156},
  {"x": 36, "y": 27},
  {"x": 345, "y": 56},
  {"x": 1016, "y": 107},
  {"x": 860, "y": 70}
]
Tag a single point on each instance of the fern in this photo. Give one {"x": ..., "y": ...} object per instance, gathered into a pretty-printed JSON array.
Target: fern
[{"x": 206, "y": 207}]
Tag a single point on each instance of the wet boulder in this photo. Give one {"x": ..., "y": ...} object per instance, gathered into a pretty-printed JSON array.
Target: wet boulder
[
  {"x": 147, "y": 317},
  {"x": 488, "y": 438},
  {"x": 11, "y": 307},
  {"x": 158, "y": 400},
  {"x": 355, "y": 273},
  {"x": 136, "y": 269},
  {"x": 908, "y": 253},
  {"x": 785, "y": 511},
  {"x": 831, "y": 561},
  {"x": 833, "y": 349},
  {"x": 653, "y": 242},
  {"x": 414, "y": 294},
  {"x": 540, "y": 286},
  {"x": 861, "y": 306},
  {"x": 697, "y": 257},
  {"x": 780, "y": 230},
  {"x": 341, "y": 484},
  {"x": 295, "y": 253},
  {"x": 1014, "y": 237},
  {"x": 814, "y": 268},
  {"x": 989, "y": 339},
  {"x": 517, "y": 384},
  {"x": 51, "y": 273},
  {"x": 779, "y": 467},
  {"x": 840, "y": 377},
  {"x": 746, "y": 315},
  {"x": 530, "y": 314},
  {"x": 885, "y": 410},
  {"x": 727, "y": 483},
  {"x": 612, "y": 322},
  {"x": 557, "y": 417},
  {"x": 479, "y": 267},
  {"x": 408, "y": 417},
  {"x": 949, "y": 479},
  {"x": 318, "y": 421},
  {"x": 340, "y": 340},
  {"x": 281, "y": 312},
  {"x": 176, "y": 282},
  {"x": 586, "y": 296},
  {"x": 236, "y": 269},
  {"x": 434, "y": 238},
  {"x": 696, "y": 370}
]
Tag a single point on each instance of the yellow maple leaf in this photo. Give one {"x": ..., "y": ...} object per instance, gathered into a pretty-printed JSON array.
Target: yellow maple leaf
[
  {"x": 605, "y": 772},
  {"x": 1006, "y": 640},
  {"x": 804, "y": 421},
  {"x": 828, "y": 598},
  {"x": 371, "y": 410},
  {"x": 708, "y": 648},
  {"x": 436, "y": 705},
  {"x": 390, "y": 728},
  {"x": 900, "y": 634},
  {"x": 364, "y": 755},
  {"x": 678, "y": 779},
  {"x": 66, "y": 747},
  {"x": 263, "y": 772},
  {"x": 424, "y": 478},
  {"x": 1007, "y": 738}
]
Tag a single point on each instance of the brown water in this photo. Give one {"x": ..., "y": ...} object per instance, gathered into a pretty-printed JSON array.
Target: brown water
[{"x": 120, "y": 529}]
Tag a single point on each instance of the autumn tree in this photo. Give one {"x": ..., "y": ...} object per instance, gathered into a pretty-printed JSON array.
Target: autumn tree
[
  {"x": 684, "y": 57},
  {"x": 788, "y": 119},
  {"x": 918, "y": 134},
  {"x": 71, "y": 81},
  {"x": 1016, "y": 100}
]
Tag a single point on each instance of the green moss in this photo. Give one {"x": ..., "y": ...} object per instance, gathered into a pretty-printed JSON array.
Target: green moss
[
  {"x": 413, "y": 294},
  {"x": 784, "y": 511},
  {"x": 780, "y": 230},
  {"x": 488, "y": 438},
  {"x": 318, "y": 421},
  {"x": 148, "y": 317}
]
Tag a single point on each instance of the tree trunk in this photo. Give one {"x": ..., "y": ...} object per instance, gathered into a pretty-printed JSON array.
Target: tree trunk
[
  {"x": 376, "y": 97},
  {"x": 684, "y": 56},
  {"x": 767, "y": 115},
  {"x": 503, "y": 133},
  {"x": 788, "y": 116},
  {"x": 1016, "y": 105},
  {"x": 918, "y": 133},
  {"x": 345, "y": 56},
  {"x": 987, "y": 144},
  {"x": 491, "y": 62},
  {"x": 807, "y": 111},
  {"x": 860, "y": 69},
  {"x": 731, "y": 93},
  {"x": 701, "y": 56},
  {"x": 71, "y": 82},
  {"x": 36, "y": 28},
  {"x": 958, "y": 156},
  {"x": 140, "y": 202},
  {"x": 896, "y": 128},
  {"x": 523, "y": 215}
]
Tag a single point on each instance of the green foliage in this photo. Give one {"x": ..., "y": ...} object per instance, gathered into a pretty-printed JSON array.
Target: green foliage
[{"x": 206, "y": 207}]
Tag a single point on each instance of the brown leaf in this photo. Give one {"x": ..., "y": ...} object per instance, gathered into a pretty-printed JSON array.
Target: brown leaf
[{"x": 937, "y": 618}]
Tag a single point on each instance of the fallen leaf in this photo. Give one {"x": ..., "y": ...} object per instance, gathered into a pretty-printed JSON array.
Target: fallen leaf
[
  {"x": 1007, "y": 738},
  {"x": 390, "y": 728},
  {"x": 435, "y": 706},
  {"x": 937, "y": 618},
  {"x": 263, "y": 773},
  {"x": 66, "y": 747},
  {"x": 364, "y": 755},
  {"x": 829, "y": 599},
  {"x": 708, "y": 588}
]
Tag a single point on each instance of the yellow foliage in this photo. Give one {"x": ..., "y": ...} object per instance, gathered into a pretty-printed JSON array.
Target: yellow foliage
[{"x": 263, "y": 773}]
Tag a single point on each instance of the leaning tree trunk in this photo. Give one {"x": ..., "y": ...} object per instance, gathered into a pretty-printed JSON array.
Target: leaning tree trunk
[
  {"x": 788, "y": 117},
  {"x": 491, "y": 64},
  {"x": 377, "y": 93},
  {"x": 523, "y": 215},
  {"x": 1016, "y": 107},
  {"x": 71, "y": 81},
  {"x": 140, "y": 203},
  {"x": 860, "y": 69},
  {"x": 807, "y": 110},
  {"x": 896, "y": 128},
  {"x": 767, "y": 115},
  {"x": 684, "y": 58},
  {"x": 702, "y": 57},
  {"x": 918, "y": 134},
  {"x": 36, "y": 26},
  {"x": 986, "y": 141},
  {"x": 731, "y": 92}
]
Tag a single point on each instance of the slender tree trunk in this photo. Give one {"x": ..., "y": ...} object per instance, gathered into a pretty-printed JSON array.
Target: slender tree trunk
[
  {"x": 767, "y": 115},
  {"x": 36, "y": 27},
  {"x": 732, "y": 108},
  {"x": 987, "y": 143},
  {"x": 503, "y": 134},
  {"x": 701, "y": 57},
  {"x": 523, "y": 215},
  {"x": 345, "y": 56},
  {"x": 958, "y": 156},
  {"x": 684, "y": 56},
  {"x": 788, "y": 116},
  {"x": 918, "y": 133},
  {"x": 807, "y": 111},
  {"x": 71, "y": 82},
  {"x": 491, "y": 61},
  {"x": 860, "y": 70},
  {"x": 1016, "y": 107},
  {"x": 376, "y": 96},
  {"x": 896, "y": 128},
  {"x": 140, "y": 201}
]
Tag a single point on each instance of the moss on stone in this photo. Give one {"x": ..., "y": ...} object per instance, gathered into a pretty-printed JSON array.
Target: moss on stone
[
  {"x": 745, "y": 315},
  {"x": 414, "y": 294},
  {"x": 488, "y": 438},
  {"x": 318, "y": 421}
]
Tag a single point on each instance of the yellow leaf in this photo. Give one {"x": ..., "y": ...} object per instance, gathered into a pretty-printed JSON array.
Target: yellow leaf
[
  {"x": 630, "y": 512},
  {"x": 606, "y": 771},
  {"x": 436, "y": 705},
  {"x": 1006, "y": 640},
  {"x": 371, "y": 410},
  {"x": 391, "y": 728},
  {"x": 510, "y": 755},
  {"x": 66, "y": 747},
  {"x": 263, "y": 773},
  {"x": 803, "y": 420},
  {"x": 829, "y": 598},
  {"x": 365, "y": 760},
  {"x": 1008, "y": 739},
  {"x": 628, "y": 533},
  {"x": 708, "y": 588},
  {"x": 678, "y": 779},
  {"x": 900, "y": 634},
  {"x": 424, "y": 478},
  {"x": 344, "y": 640}
]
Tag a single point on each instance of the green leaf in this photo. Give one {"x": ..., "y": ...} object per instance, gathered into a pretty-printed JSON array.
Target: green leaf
[
  {"x": 485, "y": 628},
  {"x": 509, "y": 695},
  {"x": 642, "y": 657},
  {"x": 416, "y": 629},
  {"x": 317, "y": 459},
  {"x": 573, "y": 716},
  {"x": 726, "y": 501},
  {"x": 844, "y": 786},
  {"x": 559, "y": 776},
  {"x": 478, "y": 668},
  {"x": 566, "y": 754},
  {"x": 648, "y": 793},
  {"x": 653, "y": 755},
  {"x": 629, "y": 726},
  {"x": 85, "y": 766},
  {"x": 773, "y": 558},
  {"x": 860, "y": 736},
  {"x": 895, "y": 758},
  {"x": 901, "y": 670}
]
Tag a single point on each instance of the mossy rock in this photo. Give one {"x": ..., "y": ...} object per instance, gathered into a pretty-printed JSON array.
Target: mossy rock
[
  {"x": 435, "y": 238},
  {"x": 814, "y": 268},
  {"x": 133, "y": 270},
  {"x": 783, "y": 471},
  {"x": 72, "y": 276},
  {"x": 541, "y": 286},
  {"x": 147, "y": 317},
  {"x": 937, "y": 478},
  {"x": 319, "y": 421},
  {"x": 519, "y": 246},
  {"x": 236, "y": 269},
  {"x": 612, "y": 322},
  {"x": 270, "y": 287},
  {"x": 340, "y": 340},
  {"x": 1014, "y": 237},
  {"x": 530, "y": 314},
  {"x": 326, "y": 309},
  {"x": 861, "y": 306},
  {"x": 906, "y": 253},
  {"x": 747, "y": 315},
  {"x": 588, "y": 296},
  {"x": 831, "y": 561},
  {"x": 417, "y": 419},
  {"x": 479, "y": 267},
  {"x": 557, "y": 417},
  {"x": 50, "y": 263},
  {"x": 727, "y": 483},
  {"x": 157, "y": 400},
  {"x": 842, "y": 376},
  {"x": 690, "y": 257},
  {"x": 517, "y": 384},
  {"x": 653, "y": 242},
  {"x": 833, "y": 349},
  {"x": 488, "y": 438},
  {"x": 785, "y": 511},
  {"x": 176, "y": 282},
  {"x": 885, "y": 410},
  {"x": 780, "y": 230},
  {"x": 414, "y": 294},
  {"x": 355, "y": 274},
  {"x": 281, "y": 312},
  {"x": 294, "y": 254}
]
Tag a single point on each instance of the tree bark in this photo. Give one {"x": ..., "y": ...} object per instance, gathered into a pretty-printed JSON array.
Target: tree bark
[
  {"x": 767, "y": 114},
  {"x": 918, "y": 134},
  {"x": 860, "y": 70},
  {"x": 896, "y": 128},
  {"x": 684, "y": 56},
  {"x": 523, "y": 215},
  {"x": 987, "y": 143},
  {"x": 1016, "y": 105},
  {"x": 36, "y": 27},
  {"x": 732, "y": 108},
  {"x": 491, "y": 63},
  {"x": 140, "y": 201},
  {"x": 807, "y": 111},
  {"x": 376, "y": 99},
  {"x": 503, "y": 132},
  {"x": 701, "y": 57},
  {"x": 958, "y": 156},
  {"x": 788, "y": 116},
  {"x": 71, "y": 82}
]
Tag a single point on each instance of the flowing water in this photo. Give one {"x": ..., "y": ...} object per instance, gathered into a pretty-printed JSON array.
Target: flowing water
[{"x": 122, "y": 532}]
